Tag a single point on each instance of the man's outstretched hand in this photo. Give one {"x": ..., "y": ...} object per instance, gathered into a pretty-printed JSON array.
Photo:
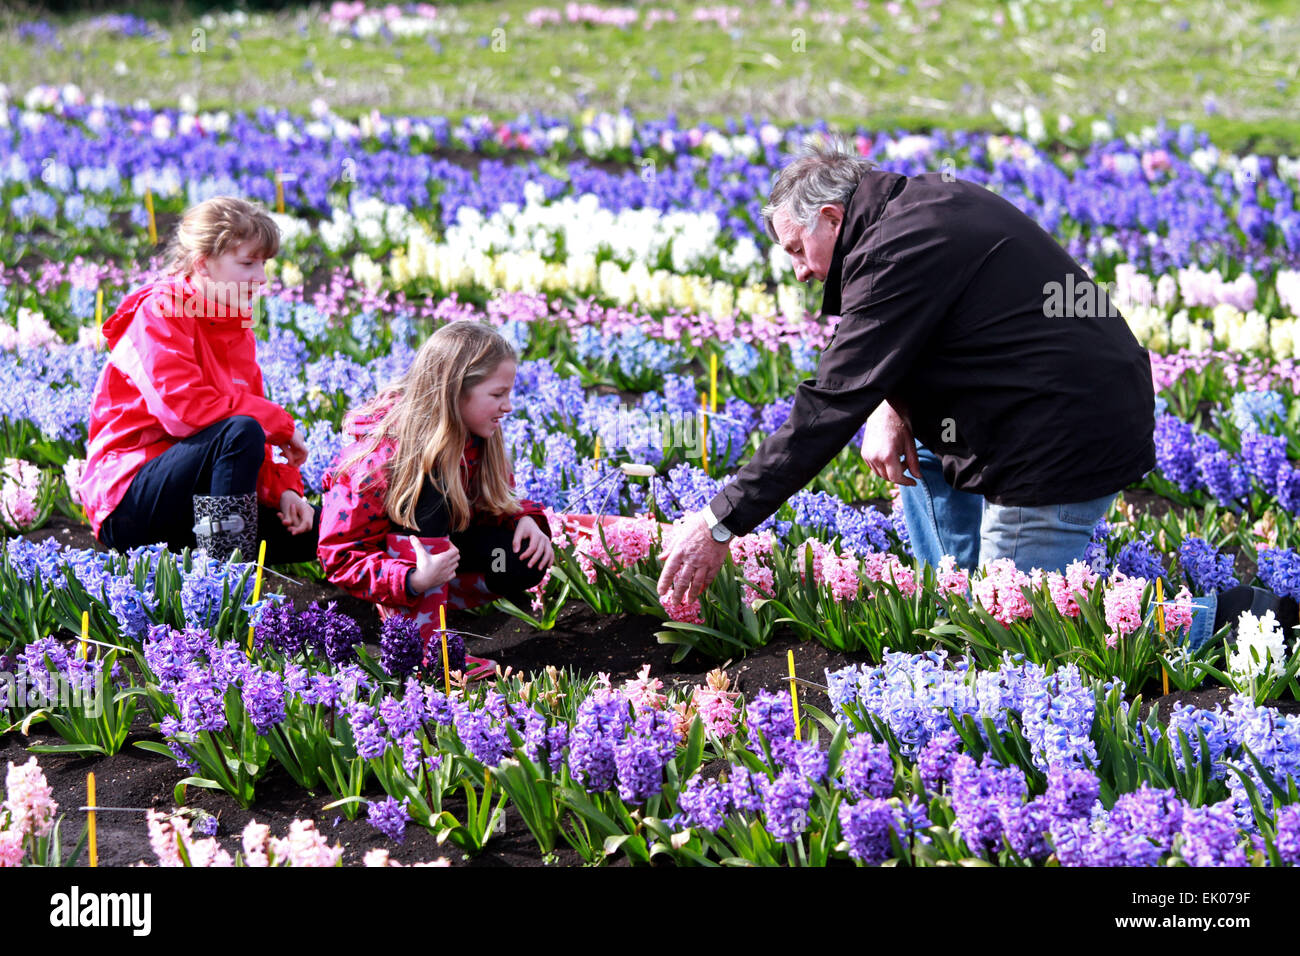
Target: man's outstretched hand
[{"x": 693, "y": 562}]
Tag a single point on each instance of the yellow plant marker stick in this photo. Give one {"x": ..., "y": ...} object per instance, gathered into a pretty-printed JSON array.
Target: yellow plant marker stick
[
  {"x": 257, "y": 586},
  {"x": 713, "y": 381},
  {"x": 85, "y": 634},
  {"x": 90, "y": 819},
  {"x": 99, "y": 316},
  {"x": 153, "y": 225},
  {"x": 794, "y": 695},
  {"x": 597, "y": 454},
  {"x": 1160, "y": 622},
  {"x": 446, "y": 674},
  {"x": 704, "y": 432},
  {"x": 279, "y": 193}
]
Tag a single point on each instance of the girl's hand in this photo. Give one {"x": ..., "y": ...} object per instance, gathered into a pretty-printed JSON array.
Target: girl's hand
[
  {"x": 539, "y": 554},
  {"x": 295, "y": 513},
  {"x": 432, "y": 570},
  {"x": 296, "y": 450}
]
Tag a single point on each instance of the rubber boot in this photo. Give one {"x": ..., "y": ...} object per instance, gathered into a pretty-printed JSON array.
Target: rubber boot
[
  {"x": 1234, "y": 601},
  {"x": 223, "y": 523}
]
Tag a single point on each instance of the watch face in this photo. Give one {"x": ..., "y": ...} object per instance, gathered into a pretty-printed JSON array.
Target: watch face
[{"x": 720, "y": 534}]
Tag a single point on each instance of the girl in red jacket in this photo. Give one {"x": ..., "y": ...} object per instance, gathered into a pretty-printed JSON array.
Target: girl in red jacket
[
  {"x": 181, "y": 433},
  {"x": 419, "y": 511}
]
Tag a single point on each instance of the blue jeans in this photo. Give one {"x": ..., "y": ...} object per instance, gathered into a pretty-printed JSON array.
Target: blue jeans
[{"x": 942, "y": 520}]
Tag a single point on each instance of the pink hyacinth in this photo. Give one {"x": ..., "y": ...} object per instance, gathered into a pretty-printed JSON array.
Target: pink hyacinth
[
  {"x": 949, "y": 578},
  {"x": 998, "y": 589},
  {"x": 1123, "y": 603},
  {"x": 12, "y": 848},
  {"x": 20, "y": 489},
  {"x": 255, "y": 838},
  {"x": 643, "y": 691},
  {"x": 379, "y": 857},
  {"x": 168, "y": 832},
  {"x": 1179, "y": 611},
  {"x": 29, "y": 800},
  {"x": 716, "y": 705},
  {"x": 840, "y": 574},
  {"x": 819, "y": 552},
  {"x": 304, "y": 846},
  {"x": 687, "y": 611},
  {"x": 1078, "y": 577}
]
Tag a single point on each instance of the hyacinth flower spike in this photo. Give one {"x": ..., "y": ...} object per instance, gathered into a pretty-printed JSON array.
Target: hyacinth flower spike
[{"x": 463, "y": 591}]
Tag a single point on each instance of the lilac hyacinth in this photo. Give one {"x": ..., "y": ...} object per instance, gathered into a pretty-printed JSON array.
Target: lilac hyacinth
[
  {"x": 602, "y": 721},
  {"x": 866, "y": 769},
  {"x": 1287, "y": 834},
  {"x": 1279, "y": 569},
  {"x": 978, "y": 794},
  {"x": 640, "y": 757},
  {"x": 1056, "y": 713},
  {"x": 400, "y": 647},
  {"x": 936, "y": 759},
  {"x": 1254, "y": 411},
  {"x": 483, "y": 736},
  {"x": 1154, "y": 815},
  {"x": 389, "y": 817},
  {"x": 129, "y": 607},
  {"x": 866, "y": 827},
  {"x": 544, "y": 742},
  {"x": 1206, "y": 570},
  {"x": 744, "y": 789},
  {"x": 1211, "y": 837},
  {"x": 263, "y": 698},
  {"x": 367, "y": 731},
  {"x": 1193, "y": 722},
  {"x": 1026, "y": 827},
  {"x": 803, "y": 757},
  {"x": 786, "y": 800},
  {"x": 704, "y": 803}
]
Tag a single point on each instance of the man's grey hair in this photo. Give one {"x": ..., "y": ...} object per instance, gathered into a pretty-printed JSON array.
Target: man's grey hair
[{"x": 827, "y": 170}]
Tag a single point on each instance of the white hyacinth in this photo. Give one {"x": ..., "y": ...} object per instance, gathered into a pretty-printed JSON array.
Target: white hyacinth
[{"x": 1260, "y": 651}]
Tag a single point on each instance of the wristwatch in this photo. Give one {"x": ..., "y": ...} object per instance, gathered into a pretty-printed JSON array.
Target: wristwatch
[{"x": 716, "y": 527}]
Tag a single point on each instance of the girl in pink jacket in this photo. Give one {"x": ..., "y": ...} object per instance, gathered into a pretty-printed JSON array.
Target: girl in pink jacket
[
  {"x": 420, "y": 511},
  {"x": 181, "y": 433}
]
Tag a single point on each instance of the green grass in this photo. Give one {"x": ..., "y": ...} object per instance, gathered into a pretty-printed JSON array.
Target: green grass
[{"x": 877, "y": 70}]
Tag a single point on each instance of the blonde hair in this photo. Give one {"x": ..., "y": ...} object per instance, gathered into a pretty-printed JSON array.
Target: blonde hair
[
  {"x": 423, "y": 417},
  {"x": 217, "y": 225}
]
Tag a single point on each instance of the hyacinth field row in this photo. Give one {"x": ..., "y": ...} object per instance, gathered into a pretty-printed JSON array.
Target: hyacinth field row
[{"x": 995, "y": 716}]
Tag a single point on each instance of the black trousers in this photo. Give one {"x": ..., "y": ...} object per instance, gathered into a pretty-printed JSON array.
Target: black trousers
[
  {"x": 487, "y": 549},
  {"x": 222, "y": 459}
]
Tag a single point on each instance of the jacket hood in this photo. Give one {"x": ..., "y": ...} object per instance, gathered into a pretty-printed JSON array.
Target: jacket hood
[{"x": 117, "y": 323}]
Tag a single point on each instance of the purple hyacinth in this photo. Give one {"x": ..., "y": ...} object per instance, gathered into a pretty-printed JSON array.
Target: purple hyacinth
[
  {"x": 772, "y": 715},
  {"x": 1138, "y": 559},
  {"x": 1025, "y": 826},
  {"x": 602, "y": 722},
  {"x": 1279, "y": 569},
  {"x": 1070, "y": 793},
  {"x": 704, "y": 803},
  {"x": 1210, "y": 836},
  {"x": 640, "y": 756},
  {"x": 1206, "y": 570},
  {"x": 866, "y": 827},
  {"x": 263, "y": 697},
  {"x": 936, "y": 759},
  {"x": 744, "y": 789},
  {"x": 485, "y": 739},
  {"x": 1223, "y": 474},
  {"x": 1287, "y": 838},
  {"x": 389, "y": 817},
  {"x": 785, "y": 805},
  {"x": 867, "y": 769},
  {"x": 455, "y": 655},
  {"x": 400, "y": 647},
  {"x": 332, "y": 633},
  {"x": 283, "y": 629},
  {"x": 978, "y": 794},
  {"x": 1175, "y": 453},
  {"x": 803, "y": 757}
]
